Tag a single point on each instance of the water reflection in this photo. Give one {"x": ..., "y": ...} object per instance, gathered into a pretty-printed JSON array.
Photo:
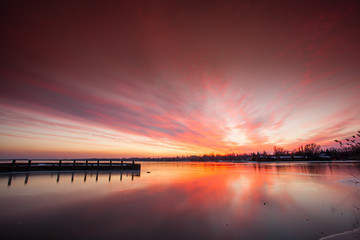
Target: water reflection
[
  {"x": 85, "y": 174},
  {"x": 184, "y": 201}
]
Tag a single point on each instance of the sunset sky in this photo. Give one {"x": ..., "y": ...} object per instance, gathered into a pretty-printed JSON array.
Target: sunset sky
[{"x": 176, "y": 78}]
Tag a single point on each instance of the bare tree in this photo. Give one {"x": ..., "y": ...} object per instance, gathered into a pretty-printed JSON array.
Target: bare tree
[{"x": 312, "y": 149}]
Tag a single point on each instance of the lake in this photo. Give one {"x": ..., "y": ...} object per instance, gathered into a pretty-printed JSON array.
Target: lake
[{"x": 184, "y": 200}]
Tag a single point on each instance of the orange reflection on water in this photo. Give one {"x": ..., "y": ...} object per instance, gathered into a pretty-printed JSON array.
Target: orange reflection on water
[{"x": 189, "y": 200}]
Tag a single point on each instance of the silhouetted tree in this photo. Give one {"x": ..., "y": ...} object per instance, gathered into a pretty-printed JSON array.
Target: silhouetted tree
[
  {"x": 311, "y": 149},
  {"x": 350, "y": 148},
  {"x": 279, "y": 151}
]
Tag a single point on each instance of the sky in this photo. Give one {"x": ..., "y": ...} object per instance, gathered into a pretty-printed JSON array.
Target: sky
[{"x": 176, "y": 78}]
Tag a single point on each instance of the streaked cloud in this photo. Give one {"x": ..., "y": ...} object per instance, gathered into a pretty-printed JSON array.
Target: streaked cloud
[{"x": 173, "y": 79}]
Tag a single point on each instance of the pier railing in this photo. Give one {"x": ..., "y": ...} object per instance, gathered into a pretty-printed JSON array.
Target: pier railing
[{"x": 20, "y": 165}]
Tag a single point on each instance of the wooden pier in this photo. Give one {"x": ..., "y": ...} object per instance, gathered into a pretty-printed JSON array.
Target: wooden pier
[{"x": 67, "y": 165}]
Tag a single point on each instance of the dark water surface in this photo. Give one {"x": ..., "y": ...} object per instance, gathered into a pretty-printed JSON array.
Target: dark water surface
[{"x": 183, "y": 200}]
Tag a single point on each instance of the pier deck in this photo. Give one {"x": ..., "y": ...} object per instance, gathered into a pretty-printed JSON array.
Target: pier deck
[{"x": 67, "y": 165}]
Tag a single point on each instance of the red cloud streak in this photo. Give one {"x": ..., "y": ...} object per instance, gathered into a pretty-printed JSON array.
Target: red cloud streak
[{"x": 162, "y": 78}]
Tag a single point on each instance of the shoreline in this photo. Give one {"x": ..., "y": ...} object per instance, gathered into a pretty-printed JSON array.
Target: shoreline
[{"x": 347, "y": 235}]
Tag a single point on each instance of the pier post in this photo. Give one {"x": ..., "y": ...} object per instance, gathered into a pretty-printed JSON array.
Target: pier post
[
  {"x": 86, "y": 164},
  {"x": 58, "y": 177},
  {"x": 110, "y": 164},
  {"x": 29, "y": 165},
  {"x": 60, "y": 164},
  {"x": 74, "y": 164},
  {"x": 13, "y": 165},
  {"x": 98, "y": 164}
]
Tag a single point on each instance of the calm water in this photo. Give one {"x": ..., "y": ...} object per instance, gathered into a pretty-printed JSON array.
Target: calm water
[{"x": 184, "y": 201}]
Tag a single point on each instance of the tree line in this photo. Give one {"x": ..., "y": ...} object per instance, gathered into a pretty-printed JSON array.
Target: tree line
[{"x": 349, "y": 148}]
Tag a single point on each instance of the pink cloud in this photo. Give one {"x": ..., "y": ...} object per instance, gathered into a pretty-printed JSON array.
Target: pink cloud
[{"x": 233, "y": 78}]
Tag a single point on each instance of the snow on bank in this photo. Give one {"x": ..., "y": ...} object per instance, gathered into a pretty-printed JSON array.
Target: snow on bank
[{"x": 348, "y": 235}]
